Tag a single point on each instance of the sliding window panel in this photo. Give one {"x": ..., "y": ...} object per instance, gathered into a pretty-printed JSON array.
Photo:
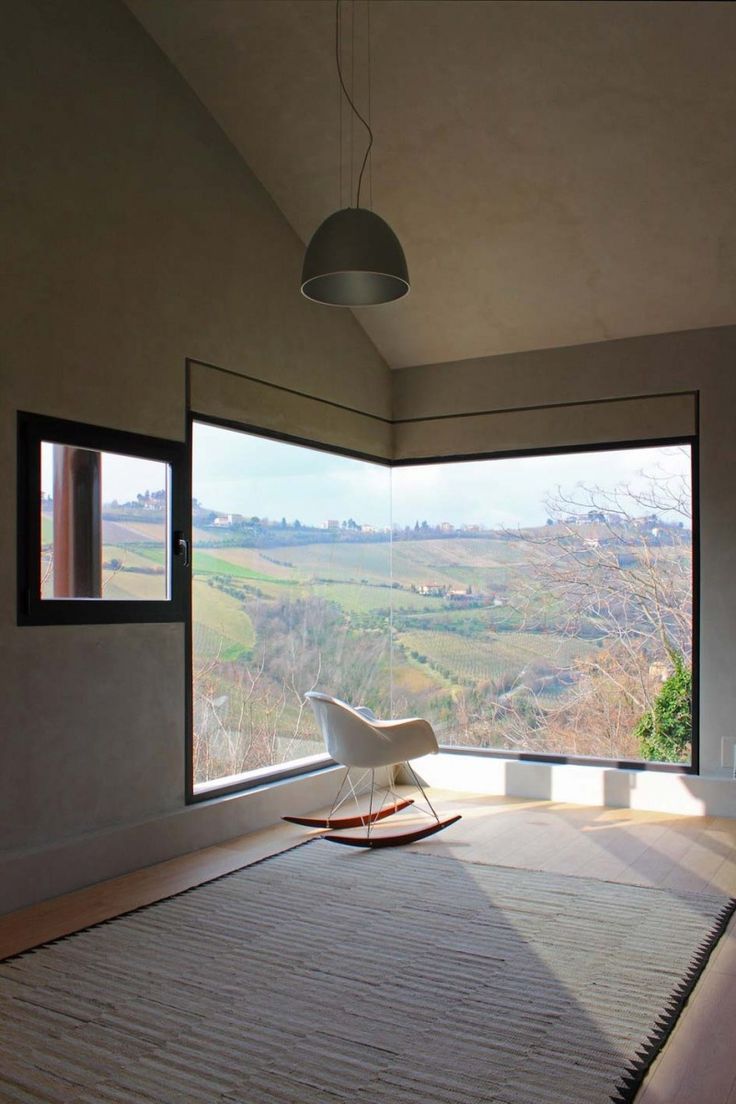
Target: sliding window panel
[
  {"x": 291, "y": 591},
  {"x": 101, "y": 525}
]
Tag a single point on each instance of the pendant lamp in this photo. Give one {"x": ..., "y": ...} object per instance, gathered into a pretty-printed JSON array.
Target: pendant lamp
[{"x": 354, "y": 258}]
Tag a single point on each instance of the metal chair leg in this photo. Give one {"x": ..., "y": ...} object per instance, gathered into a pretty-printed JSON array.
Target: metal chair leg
[
  {"x": 382, "y": 839},
  {"x": 337, "y": 795},
  {"x": 370, "y": 804},
  {"x": 424, "y": 795},
  {"x": 358, "y": 820}
]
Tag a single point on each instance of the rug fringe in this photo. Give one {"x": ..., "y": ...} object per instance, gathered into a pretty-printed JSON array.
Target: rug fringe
[{"x": 628, "y": 1086}]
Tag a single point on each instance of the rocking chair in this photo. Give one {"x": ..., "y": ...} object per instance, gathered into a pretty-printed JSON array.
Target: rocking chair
[{"x": 356, "y": 738}]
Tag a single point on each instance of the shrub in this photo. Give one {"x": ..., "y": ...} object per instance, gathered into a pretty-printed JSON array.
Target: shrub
[{"x": 664, "y": 732}]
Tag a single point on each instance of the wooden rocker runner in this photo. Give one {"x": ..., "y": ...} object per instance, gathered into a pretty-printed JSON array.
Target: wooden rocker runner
[{"x": 356, "y": 738}]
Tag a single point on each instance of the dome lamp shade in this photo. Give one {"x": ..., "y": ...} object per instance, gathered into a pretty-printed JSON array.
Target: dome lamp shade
[{"x": 354, "y": 260}]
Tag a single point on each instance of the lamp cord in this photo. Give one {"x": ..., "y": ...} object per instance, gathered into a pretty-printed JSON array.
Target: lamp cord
[
  {"x": 350, "y": 101},
  {"x": 338, "y": 46},
  {"x": 370, "y": 113}
]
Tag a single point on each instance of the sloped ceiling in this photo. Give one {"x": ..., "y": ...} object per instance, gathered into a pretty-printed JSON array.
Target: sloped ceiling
[{"x": 558, "y": 173}]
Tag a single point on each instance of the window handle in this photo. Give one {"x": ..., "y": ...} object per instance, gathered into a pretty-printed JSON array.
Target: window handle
[{"x": 181, "y": 548}]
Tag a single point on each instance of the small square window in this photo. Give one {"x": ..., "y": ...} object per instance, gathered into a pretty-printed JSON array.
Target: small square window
[{"x": 101, "y": 525}]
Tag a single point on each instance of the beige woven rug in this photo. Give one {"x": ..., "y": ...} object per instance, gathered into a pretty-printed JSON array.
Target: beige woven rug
[{"x": 330, "y": 976}]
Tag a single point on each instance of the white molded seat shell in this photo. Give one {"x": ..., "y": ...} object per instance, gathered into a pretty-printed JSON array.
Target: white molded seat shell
[{"x": 357, "y": 740}]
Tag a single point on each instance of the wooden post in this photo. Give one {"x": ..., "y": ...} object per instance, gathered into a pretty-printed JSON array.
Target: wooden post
[{"x": 77, "y": 523}]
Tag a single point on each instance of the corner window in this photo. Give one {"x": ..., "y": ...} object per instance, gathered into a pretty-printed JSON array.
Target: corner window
[
  {"x": 101, "y": 525},
  {"x": 539, "y": 606}
]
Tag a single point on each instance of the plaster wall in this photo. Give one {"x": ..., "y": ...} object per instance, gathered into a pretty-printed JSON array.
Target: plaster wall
[
  {"x": 696, "y": 360},
  {"x": 134, "y": 236},
  {"x": 34, "y": 874}
]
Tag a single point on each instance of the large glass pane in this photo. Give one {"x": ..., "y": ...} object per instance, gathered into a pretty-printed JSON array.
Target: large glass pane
[
  {"x": 105, "y": 520},
  {"x": 560, "y": 590},
  {"x": 291, "y": 591},
  {"x": 538, "y": 604}
]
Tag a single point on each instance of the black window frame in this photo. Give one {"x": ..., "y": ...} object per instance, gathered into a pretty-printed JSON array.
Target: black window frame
[
  {"x": 33, "y": 429},
  {"x": 283, "y": 772}
]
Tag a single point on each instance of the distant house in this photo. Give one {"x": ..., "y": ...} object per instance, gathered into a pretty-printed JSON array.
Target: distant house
[
  {"x": 432, "y": 590},
  {"x": 226, "y": 521},
  {"x": 445, "y": 527},
  {"x": 332, "y": 524},
  {"x": 152, "y": 500}
]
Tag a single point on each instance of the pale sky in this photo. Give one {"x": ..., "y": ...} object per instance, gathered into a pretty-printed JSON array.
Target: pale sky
[
  {"x": 241, "y": 473},
  {"x": 123, "y": 477}
]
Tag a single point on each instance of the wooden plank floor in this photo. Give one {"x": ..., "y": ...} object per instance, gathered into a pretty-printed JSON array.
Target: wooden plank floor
[{"x": 698, "y": 1063}]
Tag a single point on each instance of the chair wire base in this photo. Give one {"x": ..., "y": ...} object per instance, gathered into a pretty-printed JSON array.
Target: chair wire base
[
  {"x": 375, "y": 812},
  {"x": 359, "y": 820}
]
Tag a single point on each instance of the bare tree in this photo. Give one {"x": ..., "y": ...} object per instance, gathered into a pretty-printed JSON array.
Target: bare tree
[
  {"x": 251, "y": 713},
  {"x": 612, "y": 568},
  {"x": 243, "y": 720}
]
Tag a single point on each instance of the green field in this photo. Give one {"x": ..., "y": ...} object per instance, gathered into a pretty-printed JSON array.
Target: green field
[
  {"x": 250, "y": 559},
  {"x": 350, "y": 597},
  {"x": 363, "y": 599},
  {"x": 349, "y": 562},
  {"x": 485, "y": 564},
  {"x": 493, "y": 657},
  {"x": 150, "y": 553},
  {"x": 205, "y": 563},
  {"x": 471, "y": 622},
  {"x": 131, "y": 584},
  {"x": 133, "y": 556},
  {"x": 416, "y": 679},
  {"x": 221, "y": 626}
]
